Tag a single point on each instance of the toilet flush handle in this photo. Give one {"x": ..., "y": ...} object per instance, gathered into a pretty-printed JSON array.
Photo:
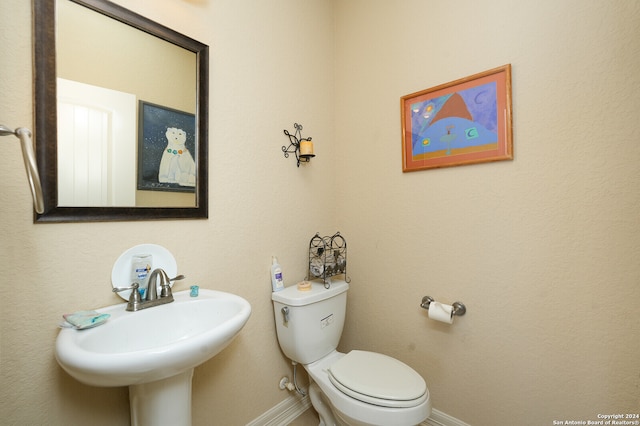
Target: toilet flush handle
[{"x": 285, "y": 313}]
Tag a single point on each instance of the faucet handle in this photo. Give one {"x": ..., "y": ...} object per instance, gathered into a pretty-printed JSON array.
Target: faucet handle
[
  {"x": 166, "y": 286},
  {"x": 131, "y": 287},
  {"x": 134, "y": 298},
  {"x": 166, "y": 291}
]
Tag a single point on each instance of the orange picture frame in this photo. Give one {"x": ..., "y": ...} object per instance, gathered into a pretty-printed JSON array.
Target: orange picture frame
[{"x": 465, "y": 121}]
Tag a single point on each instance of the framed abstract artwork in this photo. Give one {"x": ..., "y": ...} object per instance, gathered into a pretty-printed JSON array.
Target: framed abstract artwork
[{"x": 465, "y": 121}]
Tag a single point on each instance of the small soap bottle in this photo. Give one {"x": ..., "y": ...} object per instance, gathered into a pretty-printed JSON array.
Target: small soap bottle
[
  {"x": 277, "y": 283},
  {"x": 140, "y": 270}
]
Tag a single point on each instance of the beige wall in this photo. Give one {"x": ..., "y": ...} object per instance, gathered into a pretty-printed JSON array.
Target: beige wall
[
  {"x": 270, "y": 66},
  {"x": 543, "y": 249}
]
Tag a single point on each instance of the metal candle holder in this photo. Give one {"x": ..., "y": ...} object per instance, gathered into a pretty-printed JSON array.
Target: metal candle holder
[{"x": 294, "y": 145}]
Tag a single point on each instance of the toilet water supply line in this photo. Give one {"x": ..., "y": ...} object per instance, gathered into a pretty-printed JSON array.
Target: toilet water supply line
[
  {"x": 295, "y": 382},
  {"x": 29, "y": 163}
]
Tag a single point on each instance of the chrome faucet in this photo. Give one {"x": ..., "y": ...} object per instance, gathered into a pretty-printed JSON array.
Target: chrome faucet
[
  {"x": 152, "y": 289},
  {"x": 151, "y": 298}
]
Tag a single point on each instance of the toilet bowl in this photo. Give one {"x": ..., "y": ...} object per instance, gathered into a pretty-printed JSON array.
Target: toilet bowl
[
  {"x": 391, "y": 393},
  {"x": 357, "y": 388}
]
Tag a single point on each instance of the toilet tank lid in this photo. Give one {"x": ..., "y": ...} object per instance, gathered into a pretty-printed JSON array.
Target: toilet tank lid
[{"x": 293, "y": 297}]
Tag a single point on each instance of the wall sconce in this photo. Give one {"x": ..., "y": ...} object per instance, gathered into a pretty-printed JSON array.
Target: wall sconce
[{"x": 302, "y": 148}]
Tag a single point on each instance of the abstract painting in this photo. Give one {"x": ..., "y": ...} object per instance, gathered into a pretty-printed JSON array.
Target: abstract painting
[{"x": 462, "y": 122}]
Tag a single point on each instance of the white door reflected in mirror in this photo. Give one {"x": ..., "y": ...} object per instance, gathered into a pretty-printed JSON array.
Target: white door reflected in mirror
[{"x": 96, "y": 146}]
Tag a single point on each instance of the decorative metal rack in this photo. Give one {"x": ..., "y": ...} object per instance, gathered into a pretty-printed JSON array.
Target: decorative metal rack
[{"x": 327, "y": 258}]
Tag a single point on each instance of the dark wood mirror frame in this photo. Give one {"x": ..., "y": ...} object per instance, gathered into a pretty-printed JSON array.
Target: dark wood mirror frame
[{"x": 45, "y": 120}]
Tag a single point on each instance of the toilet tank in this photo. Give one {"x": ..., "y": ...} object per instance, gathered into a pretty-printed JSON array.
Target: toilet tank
[{"x": 315, "y": 320}]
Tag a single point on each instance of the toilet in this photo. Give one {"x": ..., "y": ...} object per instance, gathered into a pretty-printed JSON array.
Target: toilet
[{"x": 356, "y": 388}]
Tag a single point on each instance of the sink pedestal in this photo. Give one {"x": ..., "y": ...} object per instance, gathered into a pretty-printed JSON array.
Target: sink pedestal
[{"x": 164, "y": 402}]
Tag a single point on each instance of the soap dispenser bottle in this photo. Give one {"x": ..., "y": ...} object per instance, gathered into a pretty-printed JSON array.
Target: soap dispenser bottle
[{"x": 277, "y": 283}]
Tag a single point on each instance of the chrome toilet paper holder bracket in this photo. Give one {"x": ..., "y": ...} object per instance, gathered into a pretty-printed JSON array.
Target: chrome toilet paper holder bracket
[{"x": 458, "y": 307}]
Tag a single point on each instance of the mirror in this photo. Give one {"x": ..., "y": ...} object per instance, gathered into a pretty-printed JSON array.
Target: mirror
[{"x": 121, "y": 115}]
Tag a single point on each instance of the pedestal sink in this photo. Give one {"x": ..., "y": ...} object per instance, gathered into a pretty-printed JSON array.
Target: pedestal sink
[{"x": 154, "y": 351}]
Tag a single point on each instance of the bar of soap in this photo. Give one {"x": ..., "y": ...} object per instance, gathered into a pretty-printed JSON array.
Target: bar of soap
[{"x": 304, "y": 286}]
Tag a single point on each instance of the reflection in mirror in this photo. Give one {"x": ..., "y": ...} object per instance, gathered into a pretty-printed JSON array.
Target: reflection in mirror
[{"x": 129, "y": 100}]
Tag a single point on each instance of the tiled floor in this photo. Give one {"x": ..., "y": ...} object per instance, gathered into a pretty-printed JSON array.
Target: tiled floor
[{"x": 308, "y": 418}]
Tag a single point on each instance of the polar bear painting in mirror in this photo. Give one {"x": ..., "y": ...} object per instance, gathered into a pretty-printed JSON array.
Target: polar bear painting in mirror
[{"x": 177, "y": 164}]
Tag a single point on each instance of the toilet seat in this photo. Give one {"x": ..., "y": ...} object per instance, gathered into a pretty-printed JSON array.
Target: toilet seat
[{"x": 378, "y": 379}]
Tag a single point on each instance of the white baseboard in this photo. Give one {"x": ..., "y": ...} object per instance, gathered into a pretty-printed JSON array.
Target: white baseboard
[
  {"x": 294, "y": 406},
  {"x": 438, "y": 418},
  {"x": 283, "y": 413}
]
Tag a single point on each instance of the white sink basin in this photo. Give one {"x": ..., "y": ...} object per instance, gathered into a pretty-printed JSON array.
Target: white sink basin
[{"x": 153, "y": 344}]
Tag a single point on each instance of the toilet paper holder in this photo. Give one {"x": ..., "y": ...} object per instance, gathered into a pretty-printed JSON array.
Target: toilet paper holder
[{"x": 458, "y": 307}]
